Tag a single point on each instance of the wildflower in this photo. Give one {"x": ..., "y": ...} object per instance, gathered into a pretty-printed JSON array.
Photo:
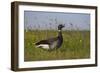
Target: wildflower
[{"x": 80, "y": 40}]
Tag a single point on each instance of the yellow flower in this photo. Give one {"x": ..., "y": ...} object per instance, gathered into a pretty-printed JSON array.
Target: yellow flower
[{"x": 80, "y": 40}]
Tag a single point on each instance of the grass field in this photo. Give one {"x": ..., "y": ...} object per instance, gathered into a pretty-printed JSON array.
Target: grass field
[{"x": 76, "y": 45}]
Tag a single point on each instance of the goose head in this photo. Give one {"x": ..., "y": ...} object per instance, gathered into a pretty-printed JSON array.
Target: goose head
[{"x": 60, "y": 26}]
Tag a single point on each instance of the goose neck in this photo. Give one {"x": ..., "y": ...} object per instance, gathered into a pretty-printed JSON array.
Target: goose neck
[{"x": 59, "y": 33}]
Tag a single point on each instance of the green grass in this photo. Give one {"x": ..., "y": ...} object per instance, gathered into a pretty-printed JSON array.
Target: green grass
[{"x": 76, "y": 45}]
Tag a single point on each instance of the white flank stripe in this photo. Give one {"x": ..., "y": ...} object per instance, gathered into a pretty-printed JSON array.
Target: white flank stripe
[{"x": 45, "y": 46}]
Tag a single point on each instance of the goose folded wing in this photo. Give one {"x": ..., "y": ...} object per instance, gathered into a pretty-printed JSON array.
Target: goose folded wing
[
  {"x": 51, "y": 40},
  {"x": 42, "y": 42},
  {"x": 48, "y": 41}
]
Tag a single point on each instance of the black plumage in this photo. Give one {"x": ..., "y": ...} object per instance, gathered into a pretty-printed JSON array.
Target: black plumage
[{"x": 52, "y": 43}]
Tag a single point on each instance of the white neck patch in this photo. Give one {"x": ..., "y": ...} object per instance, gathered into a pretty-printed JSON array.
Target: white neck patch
[{"x": 59, "y": 30}]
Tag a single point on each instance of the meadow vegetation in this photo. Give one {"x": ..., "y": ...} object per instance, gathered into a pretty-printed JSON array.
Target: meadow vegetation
[{"x": 76, "y": 45}]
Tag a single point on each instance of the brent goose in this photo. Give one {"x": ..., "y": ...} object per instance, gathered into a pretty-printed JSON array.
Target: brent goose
[{"x": 52, "y": 43}]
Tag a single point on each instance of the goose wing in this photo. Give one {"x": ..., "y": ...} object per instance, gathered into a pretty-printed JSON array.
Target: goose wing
[
  {"x": 42, "y": 42},
  {"x": 51, "y": 40},
  {"x": 49, "y": 43}
]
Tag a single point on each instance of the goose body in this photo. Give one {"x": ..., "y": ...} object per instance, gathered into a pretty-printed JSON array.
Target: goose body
[{"x": 52, "y": 43}]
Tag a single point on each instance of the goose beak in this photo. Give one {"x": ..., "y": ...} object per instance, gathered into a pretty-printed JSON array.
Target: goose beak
[{"x": 64, "y": 25}]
